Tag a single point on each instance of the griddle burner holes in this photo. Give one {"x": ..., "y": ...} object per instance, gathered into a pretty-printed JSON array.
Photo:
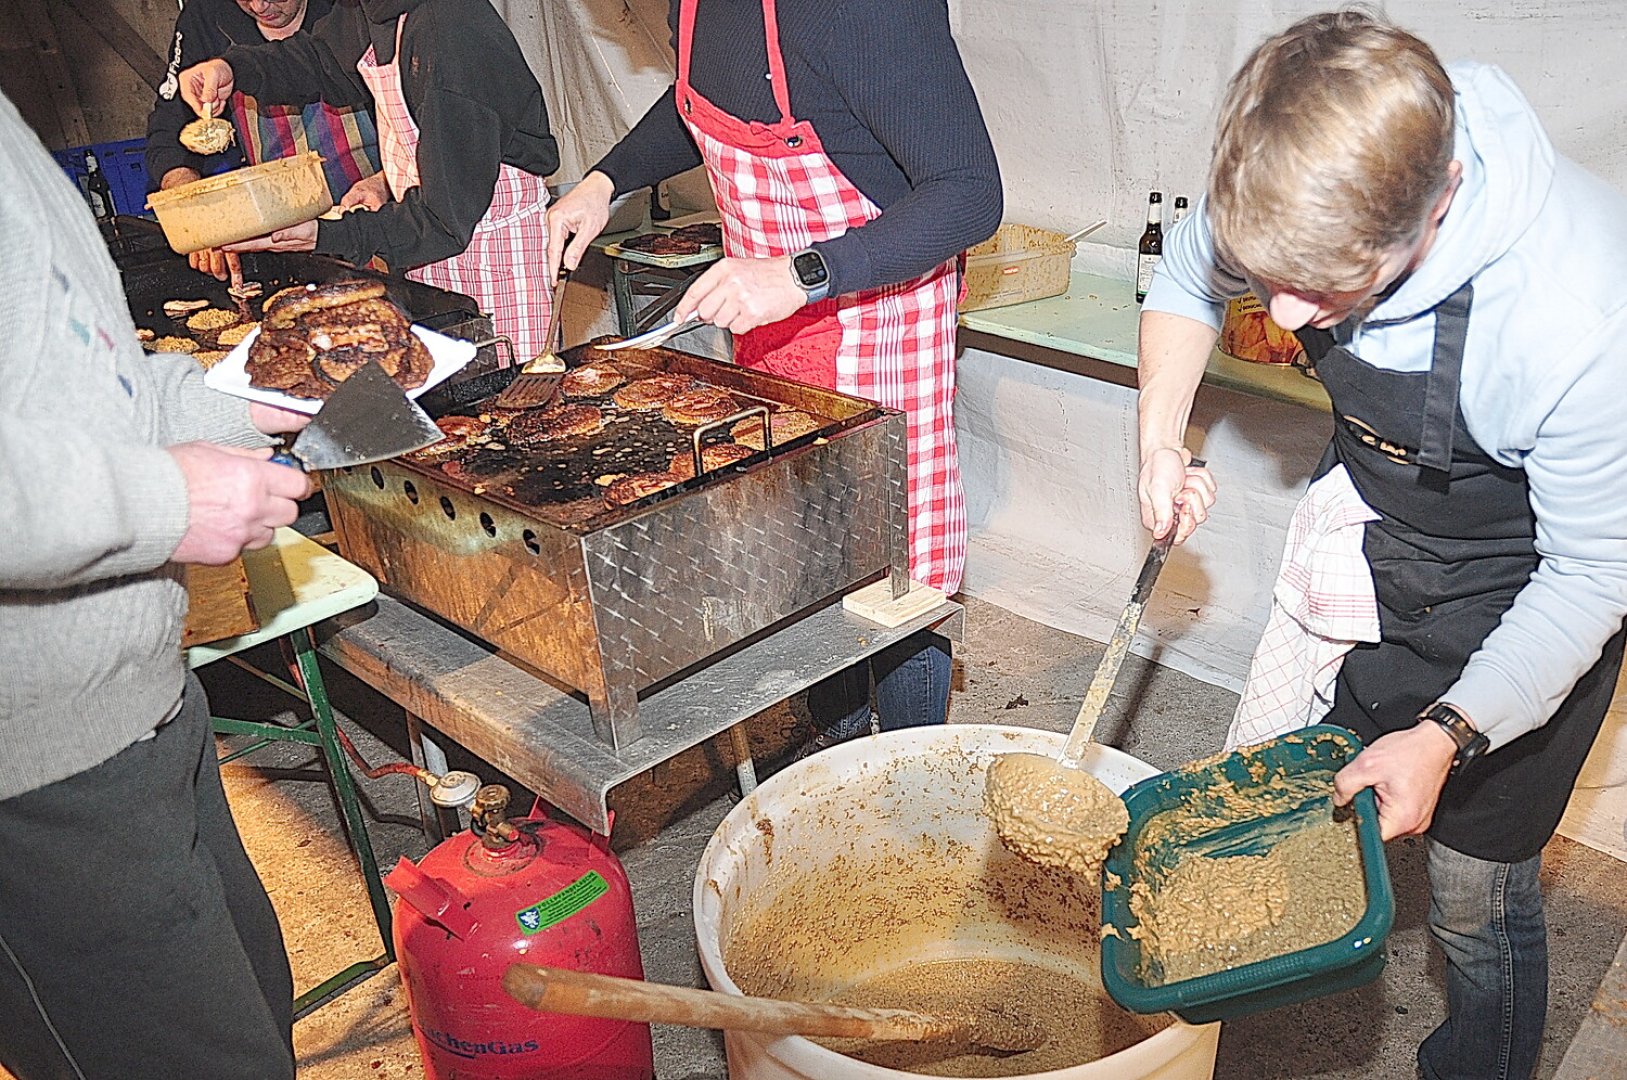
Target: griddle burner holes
[
  {"x": 487, "y": 524},
  {"x": 448, "y": 509},
  {"x": 531, "y": 544},
  {"x": 412, "y": 492},
  {"x": 378, "y": 478}
]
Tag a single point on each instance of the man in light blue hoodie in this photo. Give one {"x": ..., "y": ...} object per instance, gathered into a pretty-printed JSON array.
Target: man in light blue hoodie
[{"x": 1462, "y": 292}]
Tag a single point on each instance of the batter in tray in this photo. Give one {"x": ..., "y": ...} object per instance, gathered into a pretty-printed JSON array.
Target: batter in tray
[{"x": 1210, "y": 914}]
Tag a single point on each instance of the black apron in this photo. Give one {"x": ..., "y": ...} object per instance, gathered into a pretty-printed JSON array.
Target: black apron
[{"x": 1456, "y": 541}]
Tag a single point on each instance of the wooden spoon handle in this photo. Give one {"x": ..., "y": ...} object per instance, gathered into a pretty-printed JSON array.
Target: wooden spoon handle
[{"x": 580, "y": 993}]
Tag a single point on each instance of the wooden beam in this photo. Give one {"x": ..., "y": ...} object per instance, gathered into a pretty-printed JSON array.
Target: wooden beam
[
  {"x": 117, "y": 33},
  {"x": 64, "y": 93}
]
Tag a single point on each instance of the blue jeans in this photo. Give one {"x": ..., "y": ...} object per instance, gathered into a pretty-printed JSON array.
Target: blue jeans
[
  {"x": 912, "y": 689},
  {"x": 1487, "y": 919}
]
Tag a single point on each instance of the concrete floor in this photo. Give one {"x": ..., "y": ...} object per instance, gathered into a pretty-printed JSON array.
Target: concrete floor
[{"x": 1009, "y": 670}]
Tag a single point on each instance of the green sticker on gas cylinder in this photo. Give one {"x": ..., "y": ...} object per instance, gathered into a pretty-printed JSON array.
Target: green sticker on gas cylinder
[{"x": 563, "y": 904}]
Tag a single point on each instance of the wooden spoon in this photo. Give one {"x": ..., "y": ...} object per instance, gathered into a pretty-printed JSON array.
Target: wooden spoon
[{"x": 580, "y": 993}]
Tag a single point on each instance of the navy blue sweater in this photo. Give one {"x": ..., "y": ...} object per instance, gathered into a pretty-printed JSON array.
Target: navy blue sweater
[{"x": 882, "y": 83}]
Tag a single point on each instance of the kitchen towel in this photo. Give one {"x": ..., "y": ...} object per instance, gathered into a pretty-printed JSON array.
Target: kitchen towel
[{"x": 1321, "y": 606}]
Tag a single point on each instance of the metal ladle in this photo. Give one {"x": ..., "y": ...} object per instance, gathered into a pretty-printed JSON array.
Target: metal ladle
[
  {"x": 207, "y": 135},
  {"x": 1050, "y": 810}
]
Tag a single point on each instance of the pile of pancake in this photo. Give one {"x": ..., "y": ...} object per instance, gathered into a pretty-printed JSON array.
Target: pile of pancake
[
  {"x": 598, "y": 392},
  {"x": 689, "y": 240},
  {"x": 314, "y": 338}
]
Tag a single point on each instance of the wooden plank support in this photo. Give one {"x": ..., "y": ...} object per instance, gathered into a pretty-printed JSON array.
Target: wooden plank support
[
  {"x": 64, "y": 92},
  {"x": 875, "y": 602},
  {"x": 125, "y": 40}
]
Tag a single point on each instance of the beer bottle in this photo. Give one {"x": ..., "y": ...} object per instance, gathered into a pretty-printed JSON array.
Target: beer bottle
[
  {"x": 1151, "y": 247},
  {"x": 1180, "y": 210},
  {"x": 97, "y": 190}
]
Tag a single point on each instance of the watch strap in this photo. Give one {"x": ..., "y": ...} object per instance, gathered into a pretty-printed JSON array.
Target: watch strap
[{"x": 1471, "y": 742}]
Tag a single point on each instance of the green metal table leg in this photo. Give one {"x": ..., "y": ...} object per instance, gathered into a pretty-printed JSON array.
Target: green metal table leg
[
  {"x": 349, "y": 806},
  {"x": 328, "y": 989}
]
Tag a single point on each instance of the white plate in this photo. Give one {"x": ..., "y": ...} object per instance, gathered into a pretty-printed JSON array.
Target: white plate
[{"x": 231, "y": 376}]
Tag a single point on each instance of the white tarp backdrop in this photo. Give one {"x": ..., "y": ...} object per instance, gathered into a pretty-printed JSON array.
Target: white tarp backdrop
[{"x": 1091, "y": 105}]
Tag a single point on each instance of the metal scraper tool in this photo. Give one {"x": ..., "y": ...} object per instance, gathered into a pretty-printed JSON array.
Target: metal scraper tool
[{"x": 369, "y": 418}]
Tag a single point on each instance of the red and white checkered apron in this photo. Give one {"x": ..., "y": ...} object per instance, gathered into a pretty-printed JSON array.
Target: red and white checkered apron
[
  {"x": 778, "y": 192},
  {"x": 495, "y": 269}
]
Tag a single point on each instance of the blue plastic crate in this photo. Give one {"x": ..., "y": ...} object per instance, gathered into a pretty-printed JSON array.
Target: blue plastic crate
[{"x": 125, "y": 165}]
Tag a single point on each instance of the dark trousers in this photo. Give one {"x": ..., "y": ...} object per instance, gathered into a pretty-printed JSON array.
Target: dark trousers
[
  {"x": 912, "y": 689},
  {"x": 135, "y": 938}
]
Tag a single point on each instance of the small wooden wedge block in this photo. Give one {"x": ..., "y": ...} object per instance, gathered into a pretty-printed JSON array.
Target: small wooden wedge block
[{"x": 875, "y": 602}]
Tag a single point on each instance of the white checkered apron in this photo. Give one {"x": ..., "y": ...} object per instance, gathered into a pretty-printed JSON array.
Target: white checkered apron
[
  {"x": 494, "y": 270},
  {"x": 1322, "y": 605},
  {"x": 778, "y": 192}
]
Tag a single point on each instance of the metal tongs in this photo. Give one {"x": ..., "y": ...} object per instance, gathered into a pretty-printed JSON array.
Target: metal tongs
[{"x": 651, "y": 339}]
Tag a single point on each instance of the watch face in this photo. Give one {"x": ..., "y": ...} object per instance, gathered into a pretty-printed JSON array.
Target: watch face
[{"x": 810, "y": 269}]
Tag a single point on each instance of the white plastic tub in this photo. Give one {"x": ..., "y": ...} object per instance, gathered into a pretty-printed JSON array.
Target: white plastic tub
[{"x": 897, "y": 821}]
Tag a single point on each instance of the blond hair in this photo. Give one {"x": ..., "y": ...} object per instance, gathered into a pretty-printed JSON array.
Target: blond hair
[{"x": 1333, "y": 147}]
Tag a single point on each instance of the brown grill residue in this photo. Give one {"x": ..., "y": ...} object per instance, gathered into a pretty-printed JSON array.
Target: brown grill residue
[{"x": 563, "y": 479}]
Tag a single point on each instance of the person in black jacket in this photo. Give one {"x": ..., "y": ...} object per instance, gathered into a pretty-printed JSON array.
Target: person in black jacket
[
  {"x": 343, "y": 136},
  {"x": 463, "y": 136}
]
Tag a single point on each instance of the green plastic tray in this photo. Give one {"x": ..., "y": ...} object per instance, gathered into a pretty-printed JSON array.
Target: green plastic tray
[{"x": 1341, "y": 964}]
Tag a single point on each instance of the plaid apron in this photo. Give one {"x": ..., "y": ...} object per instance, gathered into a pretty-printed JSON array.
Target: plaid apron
[
  {"x": 778, "y": 192},
  {"x": 494, "y": 269},
  {"x": 344, "y": 137}
]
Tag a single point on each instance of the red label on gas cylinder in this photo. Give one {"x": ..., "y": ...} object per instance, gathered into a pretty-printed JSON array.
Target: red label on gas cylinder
[{"x": 563, "y": 904}]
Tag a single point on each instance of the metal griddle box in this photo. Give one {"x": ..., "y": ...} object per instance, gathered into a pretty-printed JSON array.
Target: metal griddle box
[{"x": 630, "y": 597}]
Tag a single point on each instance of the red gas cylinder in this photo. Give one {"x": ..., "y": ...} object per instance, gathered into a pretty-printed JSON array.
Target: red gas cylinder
[{"x": 529, "y": 890}]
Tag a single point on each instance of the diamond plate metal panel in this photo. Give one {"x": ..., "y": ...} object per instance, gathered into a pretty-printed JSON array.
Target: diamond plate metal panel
[{"x": 614, "y": 609}]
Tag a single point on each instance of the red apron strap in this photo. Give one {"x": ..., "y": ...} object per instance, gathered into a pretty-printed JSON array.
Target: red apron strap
[
  {"x": 776, "y": 59},
  {"x": 686, "y": 37}
]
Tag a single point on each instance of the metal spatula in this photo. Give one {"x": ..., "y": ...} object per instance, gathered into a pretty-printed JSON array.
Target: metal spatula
[
  {"x": 539, "y": 379},
  {"x": 369, "y": 418}
]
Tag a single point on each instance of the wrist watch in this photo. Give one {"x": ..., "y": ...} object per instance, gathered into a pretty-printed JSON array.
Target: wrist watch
[
  {"x": 1471, "y": 743},
  {"x": 808, "y": 266}
]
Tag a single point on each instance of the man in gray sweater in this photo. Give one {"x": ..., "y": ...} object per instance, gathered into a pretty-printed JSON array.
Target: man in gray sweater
[{"x": 135, "y": 938}]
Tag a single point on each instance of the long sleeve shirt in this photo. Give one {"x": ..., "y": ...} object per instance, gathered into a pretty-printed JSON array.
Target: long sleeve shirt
[
  {"x": 883, "y": 85},
  {"x": 91, "y": 504},
  {"x": 1545, "y": 245},
  {"x": 475, "y": 102},
  {"x": 345, "y": 137}
]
